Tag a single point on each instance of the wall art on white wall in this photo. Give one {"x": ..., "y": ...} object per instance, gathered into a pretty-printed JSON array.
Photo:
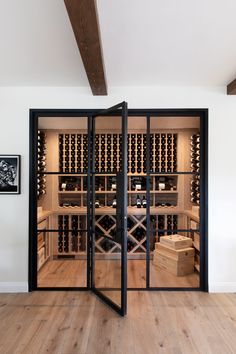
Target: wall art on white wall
[{"x": 9, "y": 174}]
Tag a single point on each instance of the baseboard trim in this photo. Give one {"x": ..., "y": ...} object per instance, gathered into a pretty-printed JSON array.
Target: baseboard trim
[
  {"x": 16, "y": 287},
  {"x": 222, "y": 287}
]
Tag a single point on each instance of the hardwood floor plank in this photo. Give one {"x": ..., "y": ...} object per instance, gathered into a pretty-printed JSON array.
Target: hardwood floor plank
[
  {"x": 73, "y": 273},
  {"x": 79, "y": 323}
]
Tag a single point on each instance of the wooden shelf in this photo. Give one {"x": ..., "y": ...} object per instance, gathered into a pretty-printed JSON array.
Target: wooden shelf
[
  {"x": 105, "y": 192},
  {"x": 112, "y": 211},
  {"x": 137, "y": 192},
  {"x": 72, "y": 192},
  {"x": 165, "y": 192},
  {"x": 192, "y": 216}
]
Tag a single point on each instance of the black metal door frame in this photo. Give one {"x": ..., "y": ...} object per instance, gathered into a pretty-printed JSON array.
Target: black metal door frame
[
  {"x": 33, "y": 127},
  {"x": 121, "y": 223}
]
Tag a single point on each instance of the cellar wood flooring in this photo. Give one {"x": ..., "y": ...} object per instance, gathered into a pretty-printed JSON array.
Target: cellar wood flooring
[
  {"x": 79, "y": 323},
  {"x": 72, "y": 273}
]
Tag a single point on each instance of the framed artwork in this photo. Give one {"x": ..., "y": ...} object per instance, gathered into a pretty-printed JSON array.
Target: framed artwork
[{"x": 9, "y": 174}]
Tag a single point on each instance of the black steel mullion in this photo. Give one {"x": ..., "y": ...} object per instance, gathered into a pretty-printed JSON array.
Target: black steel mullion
[
  {"x": 203, "y": 201},
  {"x": 33, "y": 148},
  {"x": 112, "y": 110},
  {"x": 148, "y": 203},
  {"x": 93, "y": 213},
  {"x": 124, "y": 211},
  {"x": 89, "y": 128}
]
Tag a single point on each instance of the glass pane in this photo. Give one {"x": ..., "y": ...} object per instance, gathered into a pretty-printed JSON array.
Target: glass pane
[
  {"x": 176, "y": 200},
  {"x": 107, "y": 162},
  {"x": 172, "y": 140},
  {"x": 174, "y": 256},
  {"x": 137, "y": 231},
  {"x": 62, "y": 144},
  {"x": 62, "y": 201},
  {"x": 62, "y": 255},
  {"x": 137, "y": 202}
]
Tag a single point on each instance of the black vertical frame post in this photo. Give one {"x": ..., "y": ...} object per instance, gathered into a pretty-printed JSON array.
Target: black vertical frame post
[
  {"x": 124, "y": 212},
  {"x": 92, "y": 201},
  {"x": 89, "y": 204},
  {"x": 148, "y": 204},
  {"x": 204, "y": 201},
  {"x": 33, "y": 153}
]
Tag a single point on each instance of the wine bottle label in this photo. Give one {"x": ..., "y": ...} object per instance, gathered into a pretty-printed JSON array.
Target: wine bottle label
[
  {"x": 114, "y": 203},
  {"x": 144, "y": 203},
  {"x": 138, "y": 202}
]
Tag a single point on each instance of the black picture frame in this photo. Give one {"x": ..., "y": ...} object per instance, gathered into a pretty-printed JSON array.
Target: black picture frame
[{"x": 10, "y": 170}]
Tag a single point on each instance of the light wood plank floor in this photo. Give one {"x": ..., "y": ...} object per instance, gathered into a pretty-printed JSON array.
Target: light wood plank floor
[
  {"x": 72, "y": 273},
  {"x": 78, "y": 322}
]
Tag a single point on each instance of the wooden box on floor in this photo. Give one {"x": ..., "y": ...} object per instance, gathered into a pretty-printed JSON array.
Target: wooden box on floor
[
  {"x": 178, "y": 262},
  {"x": 178, "y": 255},
  {"x": 176, "y": 241}
]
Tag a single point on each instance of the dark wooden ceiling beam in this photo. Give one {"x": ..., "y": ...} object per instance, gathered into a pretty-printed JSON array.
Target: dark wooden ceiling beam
[
  {"x": 84, "y": 20},
  {"x": 231, "y": 88}
]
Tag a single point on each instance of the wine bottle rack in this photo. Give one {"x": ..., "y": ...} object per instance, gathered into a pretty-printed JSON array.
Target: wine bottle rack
[
  {"x": 105, "y": 225},
  {"x": 195, "y": 168},
  {"x": 136, "y": 232},
  {"x": 73, "y": 241},
  {"x": 163, "y": 152},
  {"x": 164, "y": 222},
  {"x": 73, "y": 153},
  {"x": 41, "y": 179}
]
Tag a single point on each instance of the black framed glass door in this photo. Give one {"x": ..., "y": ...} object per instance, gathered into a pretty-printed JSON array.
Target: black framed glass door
[{"x": 109, "y": 206}]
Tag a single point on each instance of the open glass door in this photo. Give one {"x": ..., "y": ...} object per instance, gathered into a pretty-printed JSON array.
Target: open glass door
[{"x": 109, "y": 206}]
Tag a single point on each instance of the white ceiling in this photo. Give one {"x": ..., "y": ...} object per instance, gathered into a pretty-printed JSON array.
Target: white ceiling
[{"x": 152, "y": 42}]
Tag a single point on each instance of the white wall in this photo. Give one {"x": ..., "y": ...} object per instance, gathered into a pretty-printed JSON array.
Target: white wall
[{"x": 14, "y": 139}]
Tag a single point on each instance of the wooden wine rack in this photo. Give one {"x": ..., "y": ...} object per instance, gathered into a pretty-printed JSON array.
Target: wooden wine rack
[
  {"x": 136, "y": 236},
  {"x": 195, "y": 168},
  {"x": 73, "y": 152},
  {"x": 41, "y": 178},
  {"x": 71, "y": 242}
]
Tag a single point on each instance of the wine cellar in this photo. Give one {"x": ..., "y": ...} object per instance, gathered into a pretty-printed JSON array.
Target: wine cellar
[{"x": 163, "y": 200}]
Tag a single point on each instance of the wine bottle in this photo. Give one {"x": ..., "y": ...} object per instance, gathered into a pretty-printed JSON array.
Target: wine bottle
[
  {"x": 144, "y": 202},
  {"x": 138, "y": 202},
  {"x": 114, "y": 203},
  {"x": 97, "y": 204}
]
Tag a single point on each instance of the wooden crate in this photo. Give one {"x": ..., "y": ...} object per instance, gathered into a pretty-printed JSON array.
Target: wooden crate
[
  {"x": 178, "y": 255},
  {"x": 178, "y": 268},
  {"x": 176, "y": 241}
]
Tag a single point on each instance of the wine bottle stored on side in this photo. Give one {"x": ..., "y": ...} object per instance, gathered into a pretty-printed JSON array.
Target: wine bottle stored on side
[
  {"x": 144, "y": 202},
  {"x": 138, "y": 202},
  {"x": 114, "y": 203}
]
